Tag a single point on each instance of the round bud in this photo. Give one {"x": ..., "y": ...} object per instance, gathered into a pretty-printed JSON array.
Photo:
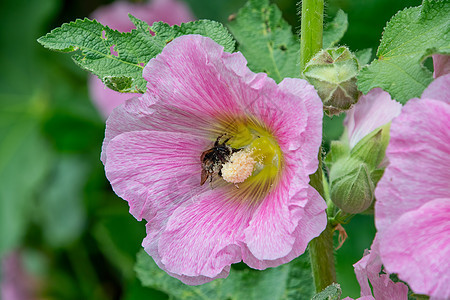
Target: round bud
[
  {"x": 333, "y": 73},
  {"x": 352, "y": 188}
]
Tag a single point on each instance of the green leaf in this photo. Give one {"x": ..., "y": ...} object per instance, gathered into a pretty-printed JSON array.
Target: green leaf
[
  {"x": 121, "y": 69},
  {"x": 212, "y": 29},
  {"x": 331, "y": 292},
  {"x": 335, "y": 30},
  {"x": 266, "y": 40},
  {"x": 409, "y": 37},
  {"x": 289, "y": 281}
]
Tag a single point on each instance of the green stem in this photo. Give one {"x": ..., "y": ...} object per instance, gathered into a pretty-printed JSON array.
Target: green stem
[
  {"x": 311, "y": 30},
  {"x": 322, "y": 259},
  {"x": 321, "y": 248}
]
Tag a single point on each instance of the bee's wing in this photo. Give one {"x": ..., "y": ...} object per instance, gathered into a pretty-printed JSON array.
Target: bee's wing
[{"x": 204, "y": 176}]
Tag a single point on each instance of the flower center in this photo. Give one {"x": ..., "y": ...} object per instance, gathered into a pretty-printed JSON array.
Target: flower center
[{"x": 255, "y": 165}]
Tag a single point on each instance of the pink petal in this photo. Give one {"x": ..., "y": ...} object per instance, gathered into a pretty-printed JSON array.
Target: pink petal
[
  {"x": 368, "y": 270},
  {"x": 371, "y": 111},
  {"x": 441, "y": 65},
  {"x": 439, "y": 89},
  {"x": 154, "y": 170},
  {"x": 201, "y": 237},
  {"x": 191, "y": 74},
  {"x": 417, "y": 248},
  {"x": 418, "y": 152},
  {"x": 307, "y": 213},
  {"x": 309, "y": 139},
  {"x": 133, "y": 115}
]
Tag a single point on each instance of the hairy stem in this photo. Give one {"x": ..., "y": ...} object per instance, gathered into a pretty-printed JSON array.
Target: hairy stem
[
  {"x": 311, "y": 30},
  {"x": 322, "y": 259},
  {"x": 321, "y": 248}
]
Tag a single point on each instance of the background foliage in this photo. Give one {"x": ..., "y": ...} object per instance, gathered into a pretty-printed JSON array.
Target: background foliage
[{"x": 56, "y": 207}]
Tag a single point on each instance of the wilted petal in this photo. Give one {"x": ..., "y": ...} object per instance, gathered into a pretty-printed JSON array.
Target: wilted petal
[{"x": 368, "y": 269}]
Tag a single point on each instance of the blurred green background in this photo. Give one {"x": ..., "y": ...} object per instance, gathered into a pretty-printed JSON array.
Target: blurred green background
[{"x": 75, "y": 238}]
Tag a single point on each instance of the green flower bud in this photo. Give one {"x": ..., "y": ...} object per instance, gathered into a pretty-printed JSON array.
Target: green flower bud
[
  {"x": 333, "y": 73},
  {"x": 352, "y": 188}
]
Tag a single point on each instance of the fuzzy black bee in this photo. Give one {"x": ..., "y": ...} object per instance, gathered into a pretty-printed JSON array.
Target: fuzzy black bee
[{"x": 213, "y": 159}]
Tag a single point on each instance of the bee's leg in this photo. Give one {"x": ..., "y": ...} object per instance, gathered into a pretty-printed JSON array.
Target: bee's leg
[
  {"x": 210, "y": 182},
  {"x": 224, "y": 142}
]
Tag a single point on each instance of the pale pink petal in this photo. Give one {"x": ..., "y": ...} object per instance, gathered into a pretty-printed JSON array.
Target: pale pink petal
[
  {"x": 441, "y": 65},
  {"x": 154, "y": 170},
  {"x": 370, "y": 112},
  {"x": 133, "y": 115},
  {"x": 361, "y": 298},
  {"x": 201, "y": 237},
  {"x": 306, "y": 210},
  {"x": 115, "y": 16},
  {"x": 418, "y": 151},
  {"x": 190, "y": 74},
  {"x": 417, "y": 248},
  {"x": 368, "y": 269},
  {"x": 309, "y": 139},
  {"x": 439, "y": 89},
  {"x": 269, "y": 235}
]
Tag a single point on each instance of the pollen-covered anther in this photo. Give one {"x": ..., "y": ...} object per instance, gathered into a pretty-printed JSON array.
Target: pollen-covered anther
[{"x": 239, "y": 167}]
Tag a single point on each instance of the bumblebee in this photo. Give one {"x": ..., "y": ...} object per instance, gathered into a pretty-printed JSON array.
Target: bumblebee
[{"x": 213, "y": 159}]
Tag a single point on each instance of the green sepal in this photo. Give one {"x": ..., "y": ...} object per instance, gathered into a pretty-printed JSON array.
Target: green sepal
[
  {"x": 364, "y": 56},
  {"x": 338, "y": 150},
  {"x": 335, "y": 30},
  {"x": 372, "y": 148}
]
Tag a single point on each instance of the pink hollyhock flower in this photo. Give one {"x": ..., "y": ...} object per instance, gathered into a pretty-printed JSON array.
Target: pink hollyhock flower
[
  {"x": 159, "y": 147},
  {"x": 369, "y": 269},
  {"x": 412, "y": 212},
  {"x": 115, "y": 16},
  {"x": 370, "y": 112}
]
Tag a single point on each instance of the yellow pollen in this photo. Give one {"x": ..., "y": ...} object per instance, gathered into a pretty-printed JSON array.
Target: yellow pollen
[{"x": 239, "y": 168}]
